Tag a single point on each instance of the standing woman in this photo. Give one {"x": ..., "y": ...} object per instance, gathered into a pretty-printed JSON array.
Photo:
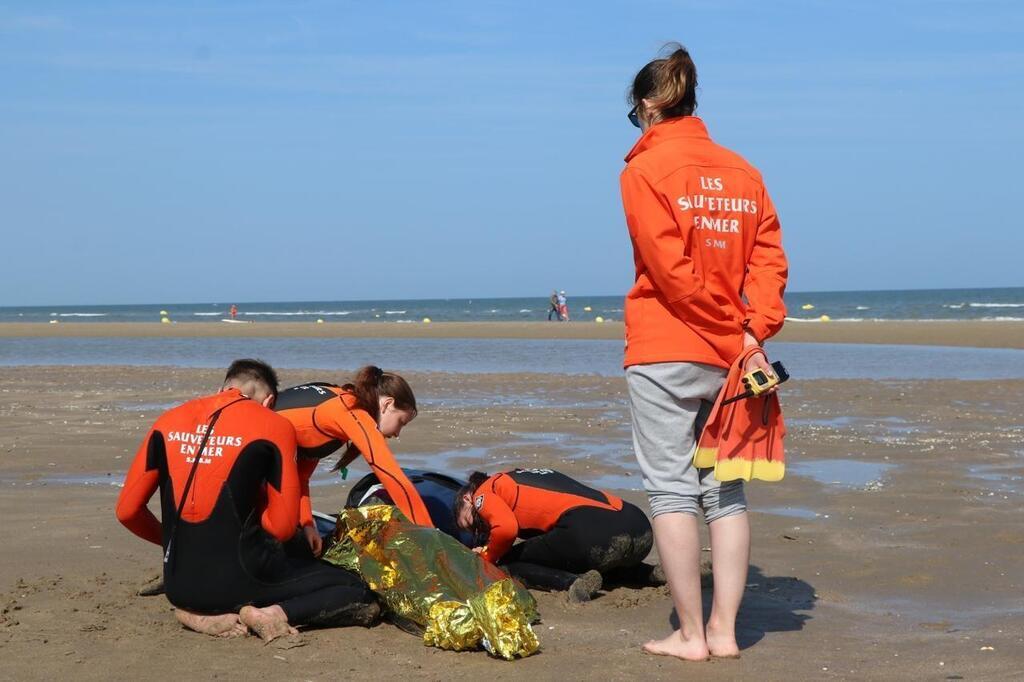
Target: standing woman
[{"x": 710, "y": 274}]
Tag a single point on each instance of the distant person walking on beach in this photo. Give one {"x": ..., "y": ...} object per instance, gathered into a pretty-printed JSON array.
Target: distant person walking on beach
[
  {"x": 563, "y": 307},
  {"x": 234, "y": 311},
  {"x": 710, "y": 273},
  {"x": 553, "y": 310}
]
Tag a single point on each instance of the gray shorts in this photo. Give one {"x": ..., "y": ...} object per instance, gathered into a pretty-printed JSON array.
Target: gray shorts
[{"x": 664, "y": 399}]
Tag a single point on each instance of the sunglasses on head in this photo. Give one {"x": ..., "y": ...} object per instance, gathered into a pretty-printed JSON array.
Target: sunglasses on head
[{"x": 633, "y": 117}]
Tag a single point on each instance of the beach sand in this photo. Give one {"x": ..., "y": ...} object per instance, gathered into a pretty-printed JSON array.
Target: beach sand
[
  {"x": 910, "y": 572},
  {"x": 981, "y": 334}
]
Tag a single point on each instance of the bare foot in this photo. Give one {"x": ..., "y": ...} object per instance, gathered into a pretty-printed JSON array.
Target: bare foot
[
  {"x": 675, "y": 645},
  {"x": 722, "y": 644},
  {"x": 269, "y": 623},
  {"x": 224, "y": 625}
]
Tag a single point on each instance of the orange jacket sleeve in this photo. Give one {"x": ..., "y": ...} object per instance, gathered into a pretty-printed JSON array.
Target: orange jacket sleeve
[
  {"x": 306, "y": 467},
  {"x": 355, "y": 425},
  {"x": 765, "y": 281},
  {"x": 281, "y": 517},
  {"x": 139, "y": 485},
  {"x": 502, "y": 521},
  {"x": 659, "y": 241}
]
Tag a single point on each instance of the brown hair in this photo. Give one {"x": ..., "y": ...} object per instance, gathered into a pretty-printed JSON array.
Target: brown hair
[
  {"x": 369, "y": 385},
  {"x": 669, "y": 83},
  {"x": 480, "y": 528}
]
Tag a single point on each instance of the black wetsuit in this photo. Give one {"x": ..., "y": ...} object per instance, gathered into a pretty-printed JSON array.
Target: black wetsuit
[
  {"x": 226, "y": 549},
  {"x": 566, "y": 527}
]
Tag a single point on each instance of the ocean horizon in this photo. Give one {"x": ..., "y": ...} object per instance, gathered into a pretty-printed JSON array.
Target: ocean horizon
[{"x": 1005, "y": 303}]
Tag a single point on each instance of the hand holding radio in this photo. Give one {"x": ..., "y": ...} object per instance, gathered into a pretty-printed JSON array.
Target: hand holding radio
[
  {"x": 758, "y": 363},
  {"x": 760, "y": 381}
]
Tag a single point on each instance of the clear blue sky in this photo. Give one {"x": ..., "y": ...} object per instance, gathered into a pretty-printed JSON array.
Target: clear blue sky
[{"x": 271, "y": 150}]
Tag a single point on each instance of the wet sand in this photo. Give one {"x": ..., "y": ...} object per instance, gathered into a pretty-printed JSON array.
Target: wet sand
[
  {"x": 892, "y": 550},
  {"x": 981, "y": 334}
]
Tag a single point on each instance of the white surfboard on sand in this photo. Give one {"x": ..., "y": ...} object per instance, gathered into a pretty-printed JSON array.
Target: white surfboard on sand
[{"x": 230, "y": 321}]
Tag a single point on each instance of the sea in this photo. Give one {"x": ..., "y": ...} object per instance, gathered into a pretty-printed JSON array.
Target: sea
[
  {"x": 547, "y": 356},
  {"x": 925, "y": 304}
]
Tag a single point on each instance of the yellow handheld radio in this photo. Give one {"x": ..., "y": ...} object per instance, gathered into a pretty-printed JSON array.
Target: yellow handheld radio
[{"x": 758, "y": 382}]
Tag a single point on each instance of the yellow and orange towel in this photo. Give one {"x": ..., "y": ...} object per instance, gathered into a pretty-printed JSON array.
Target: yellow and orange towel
[{"x": 743, "y": 440}]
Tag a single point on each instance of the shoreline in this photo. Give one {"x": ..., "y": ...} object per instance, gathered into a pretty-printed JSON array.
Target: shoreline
[{"x": 965, "y": 333}]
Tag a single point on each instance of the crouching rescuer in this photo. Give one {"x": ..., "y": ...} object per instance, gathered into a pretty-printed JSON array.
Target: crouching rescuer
[{"x": 225, "y": 466}]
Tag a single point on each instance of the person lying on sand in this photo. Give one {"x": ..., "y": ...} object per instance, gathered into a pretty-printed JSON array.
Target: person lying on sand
[
  {"x": 576, "y": 535},
  {"x": 375, "y": 406},
  {"x": 229, "y": 494}
]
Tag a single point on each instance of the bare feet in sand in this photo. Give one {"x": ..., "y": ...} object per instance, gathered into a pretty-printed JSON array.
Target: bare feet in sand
[
  {"x": 722, "y": 644},
  {"x": 269, "y": 622},
  {"x": 224, "y": 625},
  {"x": 675, "y": 645}
]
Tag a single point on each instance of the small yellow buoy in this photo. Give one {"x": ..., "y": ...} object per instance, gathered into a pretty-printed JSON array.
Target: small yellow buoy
[
  {"x": 807, "y": 306},
  {"x": 586, "y": 309},
  {"x": 599, "y": 319},
  {"x": 426, "y": 320},
  {"x": 825, "y": 318},
  {"x": 165, "y": 320},
  {"x": 320, "y": 320},
  {"x": 163, "y": 313}
]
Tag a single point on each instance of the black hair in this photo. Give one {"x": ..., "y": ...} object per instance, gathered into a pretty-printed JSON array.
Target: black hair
[{"x": 248, "y": 369}]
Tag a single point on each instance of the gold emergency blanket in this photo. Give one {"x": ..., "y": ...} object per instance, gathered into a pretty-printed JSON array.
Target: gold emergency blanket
[{"x": 430, "y": 578}]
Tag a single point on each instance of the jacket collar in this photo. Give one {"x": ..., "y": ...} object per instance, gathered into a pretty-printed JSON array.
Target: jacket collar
[
  {"x": 683, "y": 126},
  {"x": 224, "y": 398}
]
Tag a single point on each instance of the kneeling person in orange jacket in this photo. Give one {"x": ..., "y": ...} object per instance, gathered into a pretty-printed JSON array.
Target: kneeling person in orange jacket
[
  {"x": 374, "y": 407},
  {"x": 572, "y": 534},
  {"x": 229, "y": 494}
]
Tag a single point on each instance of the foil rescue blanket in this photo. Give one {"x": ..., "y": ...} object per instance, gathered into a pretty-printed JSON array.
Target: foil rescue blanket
[{"x": 430, "y": 578}]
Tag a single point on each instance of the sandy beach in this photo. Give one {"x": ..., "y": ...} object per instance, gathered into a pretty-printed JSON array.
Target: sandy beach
[
  {"x": 980, "y": 334},
  {"x": 892, "y": 550}
]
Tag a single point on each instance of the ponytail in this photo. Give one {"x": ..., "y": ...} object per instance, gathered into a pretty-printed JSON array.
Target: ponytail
[
  {"x": 669, "y": 84},
  {"x": 369, "y": 385},
  {"x": 366, "y": 389}
]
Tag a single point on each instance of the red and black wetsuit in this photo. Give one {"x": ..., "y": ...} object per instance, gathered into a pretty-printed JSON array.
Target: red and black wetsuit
[
  {"x": 325, "y": 418},
  {"x": 243, "y": 502},
  {"x": 565, "y": 524}
]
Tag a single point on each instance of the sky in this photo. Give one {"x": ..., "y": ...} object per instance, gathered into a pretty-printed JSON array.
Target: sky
[{"x": 304, "y": 150}]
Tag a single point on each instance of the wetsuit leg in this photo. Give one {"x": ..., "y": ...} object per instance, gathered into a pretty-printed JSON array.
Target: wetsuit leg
[
  {"x": 319, "y": 594},
  {"x": 539, "y": 577},
  {"x": 311, "y": 592},
  {"x": 586, "y": 538}
]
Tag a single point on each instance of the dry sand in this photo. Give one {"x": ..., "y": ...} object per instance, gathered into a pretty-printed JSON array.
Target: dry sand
[
  {"x": 984, "y": 334},
  {"x": 916, "y": 575}
]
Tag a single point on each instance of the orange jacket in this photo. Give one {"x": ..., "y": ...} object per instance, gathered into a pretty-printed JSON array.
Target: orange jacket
[
  {"x": 707, "y": 247},
  {"x": 245, "y": 430},
  {"x": 525, "y": 502},
  {"x": 325, "y": 417},
  {"x": 744, "y": 438}
]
